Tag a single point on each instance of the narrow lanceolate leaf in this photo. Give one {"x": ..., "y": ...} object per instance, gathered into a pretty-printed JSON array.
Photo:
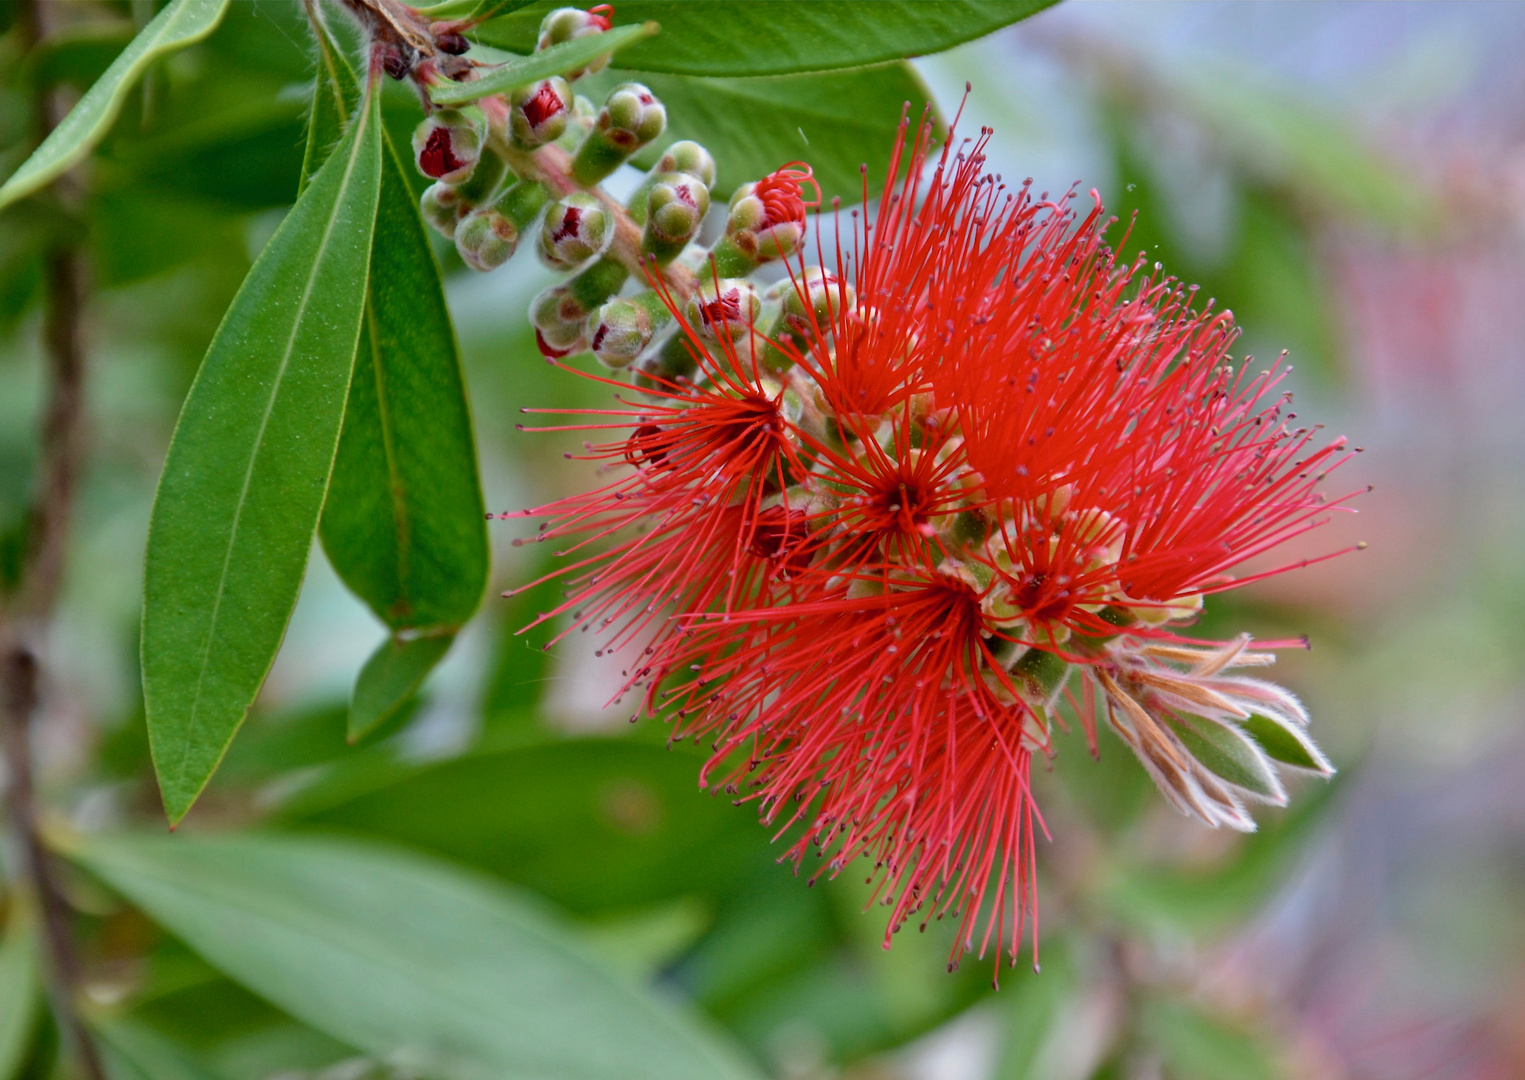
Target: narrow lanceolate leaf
[
  {"x": 403, "y": 523},
  {"x": 134, "y": 1052},
  {"x": 181, "y": 23},
  {"x": 558, "y": 59},
  {"x": 335, "y": 91},
  {"x": 1228, "y": 753},
  {"x": 407, "y": 960},
  {"x": 717, "y": 38},
  {"x": 247, "y": 469},
  {"x": 389, "y": 678},
  {"x": 18, "y": 996},
  {"x": 471, "y": 10},
  {"x": 836, "y": 120},
  {"x": 1287, "y": 743}
]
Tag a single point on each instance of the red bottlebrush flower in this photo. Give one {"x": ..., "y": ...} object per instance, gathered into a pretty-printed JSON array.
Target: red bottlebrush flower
[
  {"x": 685, "y": 516},
  {"x": 978, "y": 471}
]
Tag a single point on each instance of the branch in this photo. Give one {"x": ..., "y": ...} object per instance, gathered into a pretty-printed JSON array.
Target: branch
[
  {"x": 552, "y": 166},
  {"x": 42, "y": 571}
]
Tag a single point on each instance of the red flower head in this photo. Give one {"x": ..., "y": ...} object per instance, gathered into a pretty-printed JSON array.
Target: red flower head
[{"x": 977, "y": 470}]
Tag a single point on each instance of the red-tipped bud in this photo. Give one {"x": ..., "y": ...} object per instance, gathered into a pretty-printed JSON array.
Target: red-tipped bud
[
  {"x": 724, "y": 310},
  {"x": 486, "y": 238},
  {"x": 446, "y": 146},
  {"x": 619, "y": 331},
  {"x": 538, "y": 112},
  {"x": 442, "y": 207},
  {"x": 577, "y": 227},
  {"x": 558, "y": 319},
  {"x": 569, "y": 24},
  {"x": 631, "y": 117},
  {"x": 675, "y": 208}
]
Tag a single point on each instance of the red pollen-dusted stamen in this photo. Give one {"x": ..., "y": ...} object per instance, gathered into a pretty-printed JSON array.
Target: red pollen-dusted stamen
[{"x": 783, "y": 193}]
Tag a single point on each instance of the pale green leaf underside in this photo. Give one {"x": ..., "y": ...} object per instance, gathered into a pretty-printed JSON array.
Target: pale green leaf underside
[
  {"x": 181, "y": 23},
  {"x": 407, "y": 959},
  {"x": 557, "y": 60},
  {"x": 244, "y": 480}
]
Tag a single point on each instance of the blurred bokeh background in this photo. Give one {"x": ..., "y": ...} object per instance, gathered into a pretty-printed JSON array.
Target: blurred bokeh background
[{"x": 1349, "y": 179}]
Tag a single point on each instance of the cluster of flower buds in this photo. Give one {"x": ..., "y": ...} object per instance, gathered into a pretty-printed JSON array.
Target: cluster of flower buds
[
  {"x": 533, "y": 160},
  {"x": 879, "y": 522}
]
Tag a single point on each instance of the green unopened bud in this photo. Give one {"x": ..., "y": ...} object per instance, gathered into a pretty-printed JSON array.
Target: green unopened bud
[
  {"x": 727, "y": 309},
  {"x": 447, "y": 144},
  {"x": 631, "y": 117},
  {"x": 619, "y": 331},
  {"x": 558, "y": 319},
  {"x": 538, "y": 113},
  {"x": 577, "y": 227},
  {"x": 825, "y": 294},
  {"x": 486, "y": 238},
  {"x": 675, "y": 208},
  {"x": 442, "y": 207},
  {"x": 1041, "y": 675},
  {"x": 689, "y": 157},
  {"x": 569, "y": 24}
]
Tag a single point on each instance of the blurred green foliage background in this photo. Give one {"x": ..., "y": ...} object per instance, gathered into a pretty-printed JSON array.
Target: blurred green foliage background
[{"x": 1348, "y": 179}]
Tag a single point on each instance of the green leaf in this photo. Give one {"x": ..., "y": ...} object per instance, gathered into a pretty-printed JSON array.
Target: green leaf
[
  {"x": 727, "y": 38},
  {"x": 557, "y": 60},
  {"x": 18, "y": 996},
  {"x": 406, "y": 959},
  {"x": 181, "y": 23},
  {"x": 1230, "y": 754},
  {"x": 334, "y": 93},
  {"x": 244, "y": 480},
  {"x": 403, "y": 523},
  {"x": 390, "y": 677},
  {"x": 597, "y": 825},
  {"x": 135, "y": 1052},
  {"x": 1287, "y": 744},
  {"x": 837, "y": 121},
  {"x": 468, "y": 10}
]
